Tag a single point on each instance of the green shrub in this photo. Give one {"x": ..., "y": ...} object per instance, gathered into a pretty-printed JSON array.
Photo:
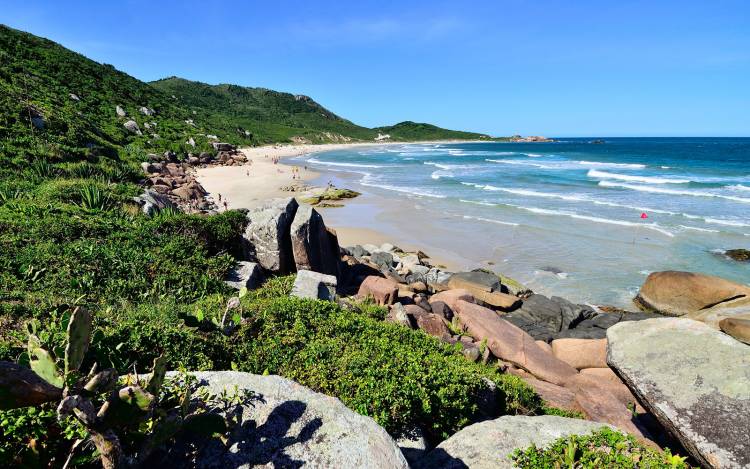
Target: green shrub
[{"x": 604, "y": 448}]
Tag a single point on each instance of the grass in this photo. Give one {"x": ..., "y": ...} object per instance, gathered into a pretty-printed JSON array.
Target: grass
[{"x": 604, "y": 448}]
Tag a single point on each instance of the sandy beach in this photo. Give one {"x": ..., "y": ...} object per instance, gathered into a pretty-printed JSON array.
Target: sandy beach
[{"x": 265, "y": 176}]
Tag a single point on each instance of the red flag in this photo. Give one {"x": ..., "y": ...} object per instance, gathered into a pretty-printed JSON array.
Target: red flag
[{"x": 644, "y": 216}]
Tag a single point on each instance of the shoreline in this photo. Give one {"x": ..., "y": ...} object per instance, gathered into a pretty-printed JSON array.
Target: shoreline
[{"x": 241, "y": 190}]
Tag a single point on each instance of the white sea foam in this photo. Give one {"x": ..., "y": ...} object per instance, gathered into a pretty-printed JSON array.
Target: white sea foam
[
  {"x": 739, "y": 187},
  {"x": 476, "y": 202},
  {"x": 347, "y": 165},
  {"x": 661, "y": 190},
  {"x": 695, "y": 228},
  {"x": 720, "y": 221},
  {"x": 533, "y": 155},
  {"x": 595, "y": 173},
  {"x": 367, "y": 180},
  {"x": 524, "y": 163},
  {"x": 544, "y": 211},
  {"x": 490, "y": 220},
  {"x": 599, "y": 164}
]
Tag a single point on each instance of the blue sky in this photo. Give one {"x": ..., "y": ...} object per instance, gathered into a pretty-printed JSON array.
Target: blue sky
[{"x": 557, "y": 68}]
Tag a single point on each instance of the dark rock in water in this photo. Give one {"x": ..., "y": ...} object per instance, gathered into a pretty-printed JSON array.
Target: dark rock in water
[
  {"x": 552, "y": 270},
  {"x": 741, "y": 255}
]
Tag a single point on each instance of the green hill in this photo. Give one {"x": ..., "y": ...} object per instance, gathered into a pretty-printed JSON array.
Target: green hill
[
  {"x": 272, "y": 116},
  {"x": 412, "y": 131}
]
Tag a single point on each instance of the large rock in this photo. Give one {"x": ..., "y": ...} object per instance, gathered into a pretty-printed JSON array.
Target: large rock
[
  {"x": 152, "y": 202},
  {"x": 313, "y": 247},
  {"x": 694, "y": 379},
  {"x": 511, "y": 344},
  {"x": 489, "y": 444},
  {"x": 21, "y": 387},
  {"x": 737, "y": 328},
  {"x": 581, "y": 353},
  {"x": 267, "y": 235},
  {"x": 132, "y": 126},
  {"x": 433, "y": 324},
  {"x": 679, "y": 293},
  {"x": 384, "y": 291},
  {"x": 285, "y": 424},
  {"x": 245, "y": 274},
  {"x": 309, "y": 284},
  {"x": 444, "y": 302}
]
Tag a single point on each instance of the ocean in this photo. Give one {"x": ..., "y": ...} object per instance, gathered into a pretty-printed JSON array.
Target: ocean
[{"x": 583, "y": 220}]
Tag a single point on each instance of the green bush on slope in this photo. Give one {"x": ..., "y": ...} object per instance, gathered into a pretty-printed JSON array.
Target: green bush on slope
[{"x": 604, "y": 448}]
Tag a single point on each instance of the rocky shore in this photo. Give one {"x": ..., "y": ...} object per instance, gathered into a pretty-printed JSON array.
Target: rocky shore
[
  {"x": 663, "y": 374},
  {"x": 579, "y": 358}
]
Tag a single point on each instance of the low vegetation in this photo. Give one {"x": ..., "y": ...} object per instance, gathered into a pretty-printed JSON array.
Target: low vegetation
[{"x": 604, "y": 448}]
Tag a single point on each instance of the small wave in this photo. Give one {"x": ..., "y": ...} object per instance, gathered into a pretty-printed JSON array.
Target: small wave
[
  {"x": 600, "y": 164},
  {"x": 448, "y": 166},
  {"x": 442, "y": 174},
  {"x": 660, "y": 190},
  {"x": 695, "y": 228},
  {"x": 523, "y": 163},
  {"x": 544, "y": 211},
  {"x": 405, "y": 190},
  {"x": 533, "y": 155},
  {"x": 665, "y": 167},
  {"x": 476, "y": 202},
  {"x": 739, "y": 187},
  {"x": 594, "y": 173},
  {"x": 721, "y": 221},
  {"x": 347, "y": 165},
  {"x": 490, "y": 220}
]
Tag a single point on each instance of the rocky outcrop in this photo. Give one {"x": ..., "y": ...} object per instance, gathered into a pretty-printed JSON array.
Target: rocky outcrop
[
  {"x": 314, "y": 285},
  {"x": 530, "y": 139},
  {"x": 245, "y": 275},
  {"x": 284, "y": 424},
  {"x": 740, "y": 255},
  {"x": 489, "y": 444},
  {"x": 314, "y": 247},
  {"x": 511, "y": 344},
  {"x": 676, "y": 293},
  {"x": 693, "y": 379},
  {"x": 552, "y": 318},
  {"x": 267, "y": 237}
]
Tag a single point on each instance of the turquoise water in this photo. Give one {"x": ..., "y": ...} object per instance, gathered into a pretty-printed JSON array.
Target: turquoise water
[{"x": 565, "y": 217}]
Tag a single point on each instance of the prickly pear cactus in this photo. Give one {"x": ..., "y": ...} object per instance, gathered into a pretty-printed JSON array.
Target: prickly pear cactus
[
  {"x": 157, "y": 375},
  {"x": 79, "y": 337},
  {"x": 42, "y": 362}
]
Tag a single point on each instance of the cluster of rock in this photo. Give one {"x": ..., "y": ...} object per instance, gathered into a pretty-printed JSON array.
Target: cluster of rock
[
  {"x": 171, "y": 180},
  {"x": 639, "y": 372}
]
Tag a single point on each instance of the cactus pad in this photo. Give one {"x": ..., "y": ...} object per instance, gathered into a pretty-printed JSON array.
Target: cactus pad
[{"x": 79, "y": 336}]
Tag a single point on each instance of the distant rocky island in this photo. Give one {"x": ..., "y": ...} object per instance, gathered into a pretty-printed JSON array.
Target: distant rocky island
[{"x": 530, "y": 139}]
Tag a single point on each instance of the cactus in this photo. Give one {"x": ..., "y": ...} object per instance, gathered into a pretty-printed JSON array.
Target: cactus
[
  {"x": 123, "y": 410},
  {"x": 42, "y": 362},
  {"x": 157, "y": 375},
  {"x": 79, "y": 336}
]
